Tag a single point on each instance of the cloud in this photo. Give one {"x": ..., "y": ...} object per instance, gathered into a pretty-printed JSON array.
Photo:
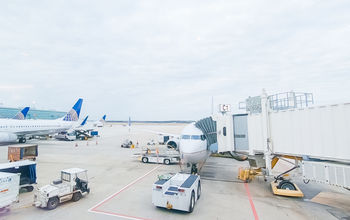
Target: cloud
[{"x": 164, "y": 60}]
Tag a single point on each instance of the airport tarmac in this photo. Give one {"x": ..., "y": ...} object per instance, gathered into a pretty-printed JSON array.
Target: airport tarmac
[{"x": 121, "y": 185}]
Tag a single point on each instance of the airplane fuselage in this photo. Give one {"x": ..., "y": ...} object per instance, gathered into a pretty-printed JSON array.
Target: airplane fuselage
[{"x": 193, "y": 146}]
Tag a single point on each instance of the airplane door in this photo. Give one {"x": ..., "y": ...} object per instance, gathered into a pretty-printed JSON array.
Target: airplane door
[{"x": 240, "y": 132}]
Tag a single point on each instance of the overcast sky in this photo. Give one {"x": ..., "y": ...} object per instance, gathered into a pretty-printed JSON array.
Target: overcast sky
[{"x": 162, "y": 60}]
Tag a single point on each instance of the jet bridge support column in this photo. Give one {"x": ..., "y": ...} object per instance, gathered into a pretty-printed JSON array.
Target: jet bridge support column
[{"x": 266, "y": 131}]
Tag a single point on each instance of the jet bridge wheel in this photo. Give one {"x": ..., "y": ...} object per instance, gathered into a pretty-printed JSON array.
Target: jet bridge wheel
[{"x": 285, "y": 184}]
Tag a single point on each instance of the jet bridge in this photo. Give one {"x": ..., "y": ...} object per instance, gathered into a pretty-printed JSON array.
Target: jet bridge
[{"x": 288, "y": 125}]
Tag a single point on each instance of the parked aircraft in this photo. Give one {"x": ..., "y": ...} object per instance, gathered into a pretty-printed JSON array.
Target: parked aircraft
[
  {"x": 12, "y": 130},
  {"x": 100, "y": 122}
]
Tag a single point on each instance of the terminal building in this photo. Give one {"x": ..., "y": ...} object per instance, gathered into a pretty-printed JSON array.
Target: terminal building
[{"x": 7, "y": 112}]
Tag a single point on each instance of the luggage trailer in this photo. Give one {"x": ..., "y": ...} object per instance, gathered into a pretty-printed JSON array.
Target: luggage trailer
[{"x": 179, "y": 192}]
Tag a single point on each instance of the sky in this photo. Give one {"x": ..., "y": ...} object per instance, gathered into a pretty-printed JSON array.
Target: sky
[{"x": 165, "y": 60}]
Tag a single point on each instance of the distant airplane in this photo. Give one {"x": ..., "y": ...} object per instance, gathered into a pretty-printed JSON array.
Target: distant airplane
[
  {"x": 100, "y": 122},
  {"x": 21, "y": 115},
  {"x": 12, "y": 130}
]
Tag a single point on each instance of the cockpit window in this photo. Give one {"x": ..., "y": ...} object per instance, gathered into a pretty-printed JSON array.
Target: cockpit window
[
  {"x": 186, "y": 137},
  {"x": 195, "y": 137}
]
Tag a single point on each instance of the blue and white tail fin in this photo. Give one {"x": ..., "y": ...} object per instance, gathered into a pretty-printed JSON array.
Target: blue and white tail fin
[
  {"x": 73, "y": 114},
  {"x": 21, "y": 115},
  {"x": 103, "y": 118},
  {"x": 84, "y": 121}
]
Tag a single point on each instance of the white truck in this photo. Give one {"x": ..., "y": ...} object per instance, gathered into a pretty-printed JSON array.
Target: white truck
[
  {"x": 9, "y": 189},
  {"x": 179, "y": 192},
  {"x": 72, "y": 186}
]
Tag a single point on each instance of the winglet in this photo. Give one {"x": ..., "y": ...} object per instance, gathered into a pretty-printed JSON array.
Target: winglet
[
  {"x": 73, "y": 114},
  {"x": 84, "y": 121},
  {"x": 22, "y": 114}
]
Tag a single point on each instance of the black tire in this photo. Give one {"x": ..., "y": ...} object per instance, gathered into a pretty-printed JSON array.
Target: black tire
[
  {"x": 192, "y": 202},
  {"x": 145, "y": 159},
  {"x": 286, "y": 185},
  {"x": 29, "y": 188},
  {"x": 166, "y": 161},
  {"x": 76, "y": 196},
  {"x": 52, "y": 203},
  {"x": 199, "y": 190}
]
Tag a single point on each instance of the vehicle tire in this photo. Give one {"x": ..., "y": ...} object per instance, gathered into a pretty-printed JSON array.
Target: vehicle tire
[
  {"x": 145, "y": 159},
  {"x": 192, "y": 202},
  {"x": 199, "y": 190},
  {"x": 287, "y": 185},
  {"x": 52, "y": 203},
  {"x": 29, "y": 188},
  {"x": 166, "y": 161},
  {"x": 76, "y": 196}
]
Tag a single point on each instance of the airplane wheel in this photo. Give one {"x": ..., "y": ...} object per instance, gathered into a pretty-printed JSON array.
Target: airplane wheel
[
  {"x": 52, "y": 203},
  {"x": 145, "y": 159},
  {"x": 192, "y": 203},
  {"x": 287, "y": 185}
]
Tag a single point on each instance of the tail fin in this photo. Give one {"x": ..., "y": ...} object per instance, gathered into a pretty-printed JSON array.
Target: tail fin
[
  {"x": 21, "y": 115},
  {"x": 84, "y": 121},
  {"x": 104, "y": 118},
  {"x": 73, "y": 114},
  {"x": 129, "y": 122}
]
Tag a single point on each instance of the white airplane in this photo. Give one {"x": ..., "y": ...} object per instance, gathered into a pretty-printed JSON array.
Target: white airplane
[
  {"x": 193, "y": 147},
  {"x": 100, "y": 122},
  {"x": 12, "y": 130}
]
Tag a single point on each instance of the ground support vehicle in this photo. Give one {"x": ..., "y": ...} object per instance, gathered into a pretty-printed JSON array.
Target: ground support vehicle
[
  {"x": 9, "y": 189},
  {"x": 168, "y": 157},
  {"x": 26, "y": 168},
  {"x": 126, "y": 144},
  {"x": 72, "y": 186},
  {"x": 179, "y": 192}
]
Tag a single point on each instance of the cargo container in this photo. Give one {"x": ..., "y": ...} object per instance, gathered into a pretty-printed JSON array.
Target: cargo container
[
  {"x": 9, "y": 189},
  {"x": 22, "y": 152}
]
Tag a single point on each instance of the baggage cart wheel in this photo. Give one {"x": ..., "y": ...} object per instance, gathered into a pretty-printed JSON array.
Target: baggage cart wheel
[
  {"x": 29, "y": 188},
  {"x": 192, "y": 202},
  {"x": 167, "y": 161},
  {"x": 145, "y": 159},
  {"x": 52, "y": 203}
]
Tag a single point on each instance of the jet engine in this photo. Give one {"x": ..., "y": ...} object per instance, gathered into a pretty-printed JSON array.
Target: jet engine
[{"x": 7, "y": 137}]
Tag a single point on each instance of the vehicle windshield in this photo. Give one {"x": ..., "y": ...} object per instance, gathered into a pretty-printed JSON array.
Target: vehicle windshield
[{"x": 65, "y": 176}]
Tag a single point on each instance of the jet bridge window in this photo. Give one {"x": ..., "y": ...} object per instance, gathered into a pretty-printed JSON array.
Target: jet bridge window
[
  {"x": 186, "y": 137},
  {"x": 224, "y": 131},
  {"x": 203, "y": 137}
]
